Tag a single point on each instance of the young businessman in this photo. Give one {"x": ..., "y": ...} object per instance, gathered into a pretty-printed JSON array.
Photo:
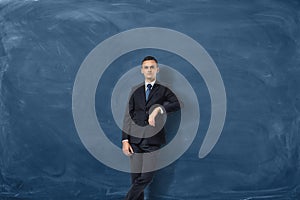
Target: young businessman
[{"x": 143, "y": 130}]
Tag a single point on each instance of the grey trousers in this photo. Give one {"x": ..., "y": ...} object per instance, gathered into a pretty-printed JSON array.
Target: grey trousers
[{"x": 142, "y": 169}]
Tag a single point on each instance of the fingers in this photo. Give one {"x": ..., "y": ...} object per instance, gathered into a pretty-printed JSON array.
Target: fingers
[
  {"x": 131, "y": 150},
  {"x": 151, "y": 121},
  {"x": 127, "y": 149},
  {"x": 152, "y": 116},
  {"x": 127, "y": 152}
]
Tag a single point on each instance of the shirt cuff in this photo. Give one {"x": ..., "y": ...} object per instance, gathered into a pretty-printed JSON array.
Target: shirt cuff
[
  {"x": 161, "y": 110},
  {"x": 126, "y": 140}
]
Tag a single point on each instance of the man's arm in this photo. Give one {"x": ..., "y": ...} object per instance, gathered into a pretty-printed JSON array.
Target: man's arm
[
  {"x": 171, "y": 105},
  {"x": 154, "y": 113},
  {"x": 127, "y": 119},
  {"x": 126, "y": 147}
]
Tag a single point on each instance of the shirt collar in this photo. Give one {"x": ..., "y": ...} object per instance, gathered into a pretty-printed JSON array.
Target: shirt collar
[{"x": 146, "y": 83}]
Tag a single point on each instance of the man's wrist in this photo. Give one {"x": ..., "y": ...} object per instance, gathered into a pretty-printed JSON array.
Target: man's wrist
[
  {"x": 126, "y": 140},
  {"x": 160, "y": 110}
]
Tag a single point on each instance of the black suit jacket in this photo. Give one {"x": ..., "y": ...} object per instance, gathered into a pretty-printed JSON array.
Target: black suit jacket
[{"x": 138, "y": 110}]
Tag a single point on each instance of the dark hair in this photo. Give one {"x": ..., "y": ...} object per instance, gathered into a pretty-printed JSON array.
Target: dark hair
[{"x": 149, "y": 58}]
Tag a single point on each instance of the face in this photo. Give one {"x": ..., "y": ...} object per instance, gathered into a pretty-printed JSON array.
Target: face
[{"x": 149, "y": 69}]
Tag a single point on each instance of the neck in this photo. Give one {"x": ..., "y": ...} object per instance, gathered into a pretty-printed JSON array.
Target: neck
[{"x": 149, "y": 80}]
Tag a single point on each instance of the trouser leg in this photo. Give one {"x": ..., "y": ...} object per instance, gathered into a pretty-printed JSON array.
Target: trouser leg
[
  {"x": 134, "y": 178},
  {"x": 136, "y": 191},
  {"x": 142, "y": 166}
]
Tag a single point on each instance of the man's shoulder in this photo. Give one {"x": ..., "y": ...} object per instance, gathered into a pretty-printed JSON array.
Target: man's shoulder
[
  {"x": 163, "y": 85},
  {"x": 135, "y": 87}
]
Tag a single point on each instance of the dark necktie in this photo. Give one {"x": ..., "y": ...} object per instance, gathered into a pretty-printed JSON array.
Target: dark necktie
[{"x": 149, "y": 86}]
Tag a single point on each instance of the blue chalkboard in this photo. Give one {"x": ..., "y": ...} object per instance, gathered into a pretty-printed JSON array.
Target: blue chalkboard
[{"x": 255, "y": 45}]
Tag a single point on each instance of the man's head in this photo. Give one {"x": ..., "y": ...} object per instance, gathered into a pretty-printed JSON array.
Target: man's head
[{"x": 149, "y": 68}]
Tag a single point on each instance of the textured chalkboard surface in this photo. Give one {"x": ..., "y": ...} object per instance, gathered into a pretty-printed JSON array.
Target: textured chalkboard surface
[{"x": 255, "y": 44}]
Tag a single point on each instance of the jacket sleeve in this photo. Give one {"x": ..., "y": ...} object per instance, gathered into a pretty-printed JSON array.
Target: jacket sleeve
[
  {"x": 128, "y": 118},
  {"x": 171, "y": 103}
]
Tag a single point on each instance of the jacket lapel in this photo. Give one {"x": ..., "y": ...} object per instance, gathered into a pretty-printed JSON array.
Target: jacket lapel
[{"x": 142, "y": 93}]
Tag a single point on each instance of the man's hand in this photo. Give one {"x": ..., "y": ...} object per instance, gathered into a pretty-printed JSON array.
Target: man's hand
[
  {"x": 127, "y": 149},
  {"x": 152, "y": 116}
]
